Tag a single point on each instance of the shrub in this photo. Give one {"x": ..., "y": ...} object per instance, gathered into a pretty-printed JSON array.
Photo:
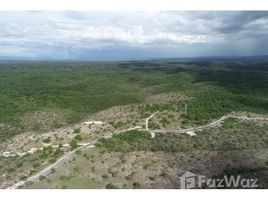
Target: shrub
[
  {"x": 104, "y": 176},
  {"x": 111, "y": 186},
  {"x": 56, "y": 125},
  {"x": 57, "y": 152},
  {"x": 77, "y": 130},
  {"x": 73, "y": 144},
  {"x": 42, "y": 178},
  {"x": 20, "y": 164},
  {"x": 136, "y": 185},
  {"x": 36, "y": 164},
  {"x": 47, "y": 140},
  {"x": 53, "y": 160},
  {"x": 62, "y": 178},
  {"x": 64, "y": 187},
  {"x": 78, "y": 152},
  {"x": 23, "y": 177},
  {"x": 78, "y": 137}
]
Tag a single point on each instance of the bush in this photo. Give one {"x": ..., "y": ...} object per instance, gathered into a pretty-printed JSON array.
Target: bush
[
  {"x": 47, "y": 140},
  {"x": 104, "y": 176},
  {"x": 78, "y": 152},
  {"x": 113, "y": 172},
  {"x": 73, "y": 144},
  {"x": 64, "y": 187},
  {"x": 57, "y": 125},
  {"x": 136, "y": 185},
  {"x": 53, "y": 160},
  {"x": 77, "y": 130},
  {"x": 57, "y": 152},
  {"x": 20, "y": 164},
  {"x": 36, "y": 164},
  {"x": 111, "y": 186},
  {"x": 63, "y": 178},
  {"x": 23, "y": 177},
  {"x": 42, "y": 178},
  {"x": 78, "y": 137}
]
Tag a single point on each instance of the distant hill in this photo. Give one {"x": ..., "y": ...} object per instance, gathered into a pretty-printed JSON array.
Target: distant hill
[{"x": 259, "y": 58}]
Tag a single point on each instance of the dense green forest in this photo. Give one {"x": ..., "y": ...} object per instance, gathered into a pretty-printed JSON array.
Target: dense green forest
[{"x": 77, "y": 89}]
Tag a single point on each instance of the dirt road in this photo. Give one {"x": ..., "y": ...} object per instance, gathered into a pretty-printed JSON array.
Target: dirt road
[
  {"x": 55, "y": 165},
  {"x": 63, "y": 159},
  {"x": 146, "y": 124},
  {"x": 71, "y": 154},
  {"x": 212, "y": 124}
]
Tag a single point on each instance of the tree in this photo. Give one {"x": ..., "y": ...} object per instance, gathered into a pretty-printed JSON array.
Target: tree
[
  {"x": 77, "y": 130},
  {"x": 73, "y": 144},
  {"x": 111, "y": 186},
  {"x": 136, "y": 185},
  {"x": 78, "y": 137}
]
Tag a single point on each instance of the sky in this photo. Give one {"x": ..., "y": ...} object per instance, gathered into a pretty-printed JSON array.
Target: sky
[{"x": 119, "y": 35}]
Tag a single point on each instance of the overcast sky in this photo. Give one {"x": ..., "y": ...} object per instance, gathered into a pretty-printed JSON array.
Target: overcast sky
[{"x": 131, "y": 35}]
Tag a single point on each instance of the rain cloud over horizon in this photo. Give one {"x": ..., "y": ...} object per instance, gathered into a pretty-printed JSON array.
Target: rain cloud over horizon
[{"x": 109, "y": 35}]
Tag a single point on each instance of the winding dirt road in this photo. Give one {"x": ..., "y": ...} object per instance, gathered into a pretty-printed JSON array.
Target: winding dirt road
[
  {"x": 147, "y": 126},
  {"x": 91, "y": 144},
  {"x": 55, "y": 165},
  {"x": 212, "y": 124},
  {"x": 64, "y": 158}
]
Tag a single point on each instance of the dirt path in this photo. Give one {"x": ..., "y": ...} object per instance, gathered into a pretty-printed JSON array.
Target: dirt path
[
  {"x": 71, "y": 154},
  {"x": 33, "y": 150},
  {"x": 212, "y": 124},
  {"x": 146, "y": 124},
  {"x": 63, "y": 159},
  {"x": 55, "y": 165}
]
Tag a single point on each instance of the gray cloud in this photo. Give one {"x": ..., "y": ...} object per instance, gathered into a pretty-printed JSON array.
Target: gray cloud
[{"x": 115, "y": 35}]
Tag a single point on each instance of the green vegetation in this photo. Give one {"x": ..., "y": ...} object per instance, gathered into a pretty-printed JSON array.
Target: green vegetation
[
  {"x": 127, "y": 141},
  {"x": 233, "y": 135},
  {"x": 74, "y": 144},
  {"x": 40, "y": 96},
  {"x": 77, "y": 130},
  {"x": 78, "y": 137},
  {"x": 27, "y": 165},
  {"x": 74, "y": 89},
  {"x": 47, "y": 140},
  {"x": 136, "y": 185},
  {"x": 259, "y": 173},
  {"x": 111, "y": 186},
  {"x": 61, "y": 93}
]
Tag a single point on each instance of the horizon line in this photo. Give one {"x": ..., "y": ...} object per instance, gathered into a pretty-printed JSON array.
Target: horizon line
[{"x": 25, "y": 59}]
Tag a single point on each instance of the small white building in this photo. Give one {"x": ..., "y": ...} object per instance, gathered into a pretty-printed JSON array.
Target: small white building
[
  {"x": 6, "y": 154},
  {"x": 191, "y": 133},
  {"x": 93, "y": 123}
]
